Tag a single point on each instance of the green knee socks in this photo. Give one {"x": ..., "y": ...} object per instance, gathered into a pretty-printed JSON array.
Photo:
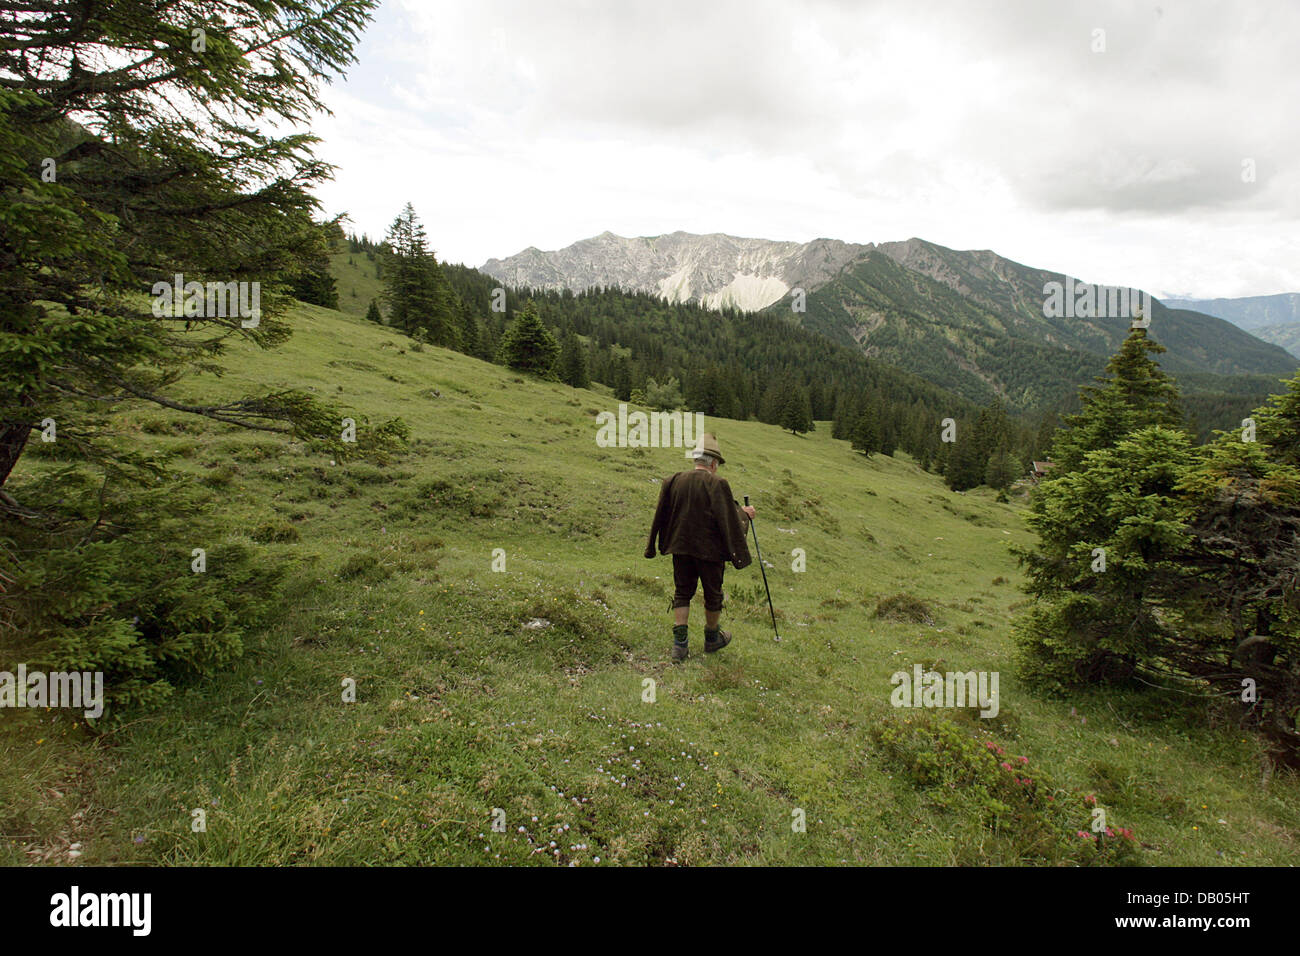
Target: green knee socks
[{"x": 679, "y": 633}]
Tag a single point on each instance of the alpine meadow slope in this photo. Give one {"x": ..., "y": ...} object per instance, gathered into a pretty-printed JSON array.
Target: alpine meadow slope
[{"x": 462, "y": 709}]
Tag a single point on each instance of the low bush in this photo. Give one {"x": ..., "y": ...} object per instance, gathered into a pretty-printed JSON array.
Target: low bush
[{"x": 961, "y": 773}]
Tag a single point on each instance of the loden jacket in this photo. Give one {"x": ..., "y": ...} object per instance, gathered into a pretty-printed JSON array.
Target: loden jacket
[{"x": 698, "y": 516}]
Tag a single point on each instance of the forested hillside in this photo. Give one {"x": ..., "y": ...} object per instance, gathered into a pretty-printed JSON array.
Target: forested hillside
[
  {"x": 980, "y": 330},
  {"x": 726, "y": 364},
  {"x": 772, "y": 364}
]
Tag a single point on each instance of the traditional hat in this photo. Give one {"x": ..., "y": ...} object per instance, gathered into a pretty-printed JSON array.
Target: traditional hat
[{"x": 708, "y": 445}]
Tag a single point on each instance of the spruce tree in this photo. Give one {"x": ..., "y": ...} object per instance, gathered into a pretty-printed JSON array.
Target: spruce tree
[
  {"x": 964, "y": 468},
  {"x": 1239, "y": 595},
  {"x": 865, "y": 434},
  {"x": 573, "y": 363},
  {"x": 528, "y": 345},
  {"x": 488, "y": 342},
  {"x": 1278, "y": 424},
  {"x": 468, "y": 329},
  {"x": 888, "y": 437},
  {"x": 851, "y": 408},
  {"x": 373, "y": 314},
  {"x": 622, "y": 383},
  {"x": 796, "y": 411},
  {"x": 772, "y": 408},
  {"x": 315, "y": 283},
  {"x": 1110, "y": 534},
  {"x": 1135, "y": 393},
  {"x": 1046, "y": 435},
  {"x": 152, "y": 172},
  {"x": 1109, "y": 524},
  {"x": 416, "y": 290},
  {"x": 708, "y": 392},
  {"x": 1001, "y": 471}
]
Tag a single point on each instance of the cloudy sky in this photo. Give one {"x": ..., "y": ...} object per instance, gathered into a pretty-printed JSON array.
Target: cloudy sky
[{"x": 1149, "y": 144}]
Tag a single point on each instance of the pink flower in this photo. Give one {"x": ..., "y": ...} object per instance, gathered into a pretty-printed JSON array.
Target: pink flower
[
  {"x": 1024, "y": 760},
  {"x": 1006, "y": 766},
  {"x": 1090, "y": 798}
]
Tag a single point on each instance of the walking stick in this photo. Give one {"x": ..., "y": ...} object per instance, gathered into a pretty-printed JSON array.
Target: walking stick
[{"x": 770, "y": 609}]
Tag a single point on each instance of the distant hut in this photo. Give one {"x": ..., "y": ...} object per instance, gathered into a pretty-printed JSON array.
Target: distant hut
[{"x": 1041, "y": 468}]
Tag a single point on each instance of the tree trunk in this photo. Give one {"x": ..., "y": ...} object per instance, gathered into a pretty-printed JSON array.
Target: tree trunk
[{"x": 13, "y": 439}]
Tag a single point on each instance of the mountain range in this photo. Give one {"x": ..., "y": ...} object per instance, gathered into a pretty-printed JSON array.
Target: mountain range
[
  {"x": 716, "y": 270},
  {"x": 1273, "y": 318},
  {"x": 971, "y": 321}
]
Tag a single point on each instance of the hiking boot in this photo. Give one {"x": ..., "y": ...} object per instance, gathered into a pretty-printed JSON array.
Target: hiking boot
[
  {"x": 717, "y": 642},
  {"x": 680, "y": 651}
]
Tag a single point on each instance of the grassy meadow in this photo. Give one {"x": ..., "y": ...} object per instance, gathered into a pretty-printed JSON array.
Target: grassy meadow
[{"x": 462, "y": 707}]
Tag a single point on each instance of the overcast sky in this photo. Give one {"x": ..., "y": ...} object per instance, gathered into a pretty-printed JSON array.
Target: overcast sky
[{"x": 976, "y": 125}]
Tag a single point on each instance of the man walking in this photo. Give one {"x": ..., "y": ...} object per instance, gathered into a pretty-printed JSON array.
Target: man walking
[{"x": 699, "y": 523}]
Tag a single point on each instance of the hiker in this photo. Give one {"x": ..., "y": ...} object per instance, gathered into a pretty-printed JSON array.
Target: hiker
[{"x": 700, "y": 524}]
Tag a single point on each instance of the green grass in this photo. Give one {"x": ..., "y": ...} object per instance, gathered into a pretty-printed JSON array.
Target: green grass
[
  {"x": 461, "y": 708},
  {"x": 356, "y": 282}
]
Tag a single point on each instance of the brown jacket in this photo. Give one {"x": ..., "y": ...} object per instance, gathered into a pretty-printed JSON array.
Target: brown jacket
[{"x": 698, "y": 516}]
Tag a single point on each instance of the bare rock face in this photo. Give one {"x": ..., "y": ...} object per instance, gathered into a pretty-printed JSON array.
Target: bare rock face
[{"x": 716, "y": 270}]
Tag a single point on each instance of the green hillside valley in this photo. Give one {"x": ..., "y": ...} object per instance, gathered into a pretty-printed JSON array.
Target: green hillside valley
[
  {"x": 495, "y": 434},
  {"x": 524, "y": 689}
]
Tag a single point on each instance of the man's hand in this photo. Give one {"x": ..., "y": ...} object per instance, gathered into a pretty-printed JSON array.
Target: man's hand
[{"x": 749, "y": 511}]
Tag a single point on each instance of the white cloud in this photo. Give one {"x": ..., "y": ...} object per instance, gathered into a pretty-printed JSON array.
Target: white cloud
[{"x": 975, "y": 125}]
